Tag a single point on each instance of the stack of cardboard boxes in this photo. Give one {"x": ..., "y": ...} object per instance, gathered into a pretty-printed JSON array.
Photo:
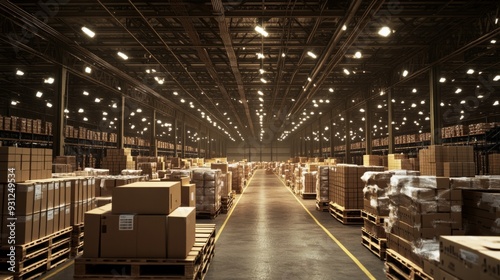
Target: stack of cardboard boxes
[
  {"x": 401, "y": 162},
  {"x": 238, "y": 180},
  {"x": 25, "y": 164},
  {"x": 148, "y": 169},
  {"x": 145, "y": 220},
  {"x": 70, "y": 160},
  {"x": 422, "y": 208},
  {"x": 226, "y": 178},
  {"x": 494, "y": 164},
  {"x": 308, "y": 180},
  {"x": 322, "y": 185},
  {"x": 447, "y": 161},
  {"x": 346, "y": 186},
  {"x": 160, "y": 161},
  {"x": 374, "y": 160},
  {"x": 117, "y": 160},
  {"x": 208, "y": 190}
]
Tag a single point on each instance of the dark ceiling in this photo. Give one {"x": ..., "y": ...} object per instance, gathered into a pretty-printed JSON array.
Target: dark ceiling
[{"x": 206, "y": 52}]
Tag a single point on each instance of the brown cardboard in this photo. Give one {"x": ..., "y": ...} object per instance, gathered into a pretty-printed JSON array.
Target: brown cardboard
[
  {"x": 181, "y": 232},
  {"x": 222, "y": 166},
  {"x": 147, "y": 198},
  {"x": 67, "y": 192},
  {"x": 118, "y": 236},
  {"x": 50, "y": 195},
  {"x": 92, "y": 235},
  {"x": 67, "y": 215},
  {"x": 23, "y": 227},
  {"x": 103, "y": 200},
  {"x": 57, "y": 193},
  {"x": 56, "y": 219},
  {"x": 43, "y": 203},
  {"x": 43, "y": 224},
  {"x": 444, "y": 275},
  {"x": 35, "y": 231},
  {"x": 459, "y": 256},
  {"x": 25, "y": 194},
  {"x": 152, "y": 236},
  {"x": 188, "y": 195},
  {"x": 50, "y": 222}
]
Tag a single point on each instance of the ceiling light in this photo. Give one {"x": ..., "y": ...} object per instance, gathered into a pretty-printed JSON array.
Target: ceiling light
[
  {"x": 309, "y": 79},
  {"x": 49, "y": 104},
  {"x": 480, "y": 96},
  {"x": 357, "y": 54},
  {"x": 283, "y": 55},
  {"x": 422, "y": 102},
  {"x": 311, "y": 54},
  {"x": 414, "y": 90},
  {"x": 327, "y": 101},
  {"x": 122, "y": 55},
  {"x": 85, "y": 119},
  {"x": 382, "y": 93},
  {"x": 88, "y": 70},
  {"x": 497, "y": 77},
  {"x": 344, "y": 27},
  {"x": 362, "y": 110},
  {"x": 175, "y": 93},
  {"x": 413, "y": 105},
  {"x": 493, "y": 41},
  {"x": 330, "y": 89},
  {"x": 80, "y": 110},
  {"x": 260, "y": 55},
  {"x": 66, "y": 111},
  {"x": 384, "y": 31},
  {"x": 260, "y": 92},
  {"x": 442, "y": 104},
  {"x": 97, "y": 100},
  {"x": 19, "y": 73},
  {"x": 261, "y": 31},
  {"x": 405, "y": 73},
  {"x": 470, "y": 71},
  {"x": 261, "y": 99},
  {"x": 495, "y": 103},
  {"x": 442, "y": 79},
  {"x": 182, "y": 100},
  {"x": 114, "y": 105},
  {"x": 263, "y": 80},
  {"x": 262, "y": 71},
  {"x": 143, "y": 119},
  {"x": 89, "y": 32},
  {"x": 346, "y": 71},
  {"x": 50, "y": 80},
  {"x": 161, "y": 81},
  {"x": 132, "y": 114},
  {"x": 85, "y": 93},
  {"x": 459, "y": 90},
  {"x": 39, "y": 94},
  {"x": 379, "y": 106}
]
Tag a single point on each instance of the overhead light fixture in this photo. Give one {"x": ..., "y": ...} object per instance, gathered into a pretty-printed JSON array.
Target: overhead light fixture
[
  {"x": 309, "y": 79},
  {"x": 311, "y": 54},
  {"x": 459, "y": 90},
  {"x": 261, "y": 99},
  {"x": 49, "y": 104},
  {"x": 283, "y": 55},
  {"x": 97, "y": 100},
  {"x": 50, "y": 80},
  {"x": 496, "y": 78},
  {"x": 19, "y": 73},
  {"x": 346, "y": 71},
  {"x": 263, "y": 80},
  {"x": 414, "y": 90},
  {"x": 104, "y": 113},
  {"x": 80, "y": 110},
  {"x": 495, "y": 103},
  {"x": 382, "y": 93},
  {"x": 182, "y": 100},
  {"x": 66, "y": 111},
  {"x": 86, "y": 93},
  {"x": 262, "y": 71},
  {"x": 88, "y": 32},
  {"x": 358, "y": 54},
  {"x": 88, "y": 70},
  {"x": 344, "y": 27},
  {"x": 442, "y": 104},
  {"x": 384, "y": 31},
  {"x": 413, "y": 105},
  {"x": 442, "y": 79},
  {"x": 139, "y": 110},
  {"x": 260, "y": 55},
  {"x": 261, "y": 31},
  {"x": 175, "y": 93},
  {"x": 260, "y": 92},
  {"x": 85, "y": 119},
  {"x": 405, "y": 73},
  {"x": 470, "y": 71},
  {"x": 493, "y": 41},
  {"x": 114, "y": 105},
  {"x": 39, "y": 94},
  {"x": 143, "y": 119},
  {"x": 362, "y": 110},
  {"x": 122, "y": 55}
]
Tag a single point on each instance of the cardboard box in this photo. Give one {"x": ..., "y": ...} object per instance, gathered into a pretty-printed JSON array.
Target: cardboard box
[
  {"x": 222, "y": 166},
  {"x": 459, "y": 256},
  {"x": 181, "y": 232},
  {"x": 24, "y": 199},
  {"x": 23, "y": 229},
  {"x": 118, "y": 236},
  {"x": 43, "y": 224},
  {"x": 188, "y": 198},
  {"x": 103, "y": 200},
  {"x": 92, "y": 235},
  {"x": 35, "y": 231},
  {"x": 147, "y": 198},
  {"x": 152, "y": 236},
  {"x": 50, "y": 222}
]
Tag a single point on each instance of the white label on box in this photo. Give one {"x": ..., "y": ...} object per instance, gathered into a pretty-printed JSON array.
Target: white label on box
[
  {"x": 126, "y": 222},
  {"x": 469, "y": 256},
  {"x": 192, "y": 196},
  {"x": 50, "y": 215},
  {"x": 56, "y": 185},
  {"x": 38, "y": 192}
]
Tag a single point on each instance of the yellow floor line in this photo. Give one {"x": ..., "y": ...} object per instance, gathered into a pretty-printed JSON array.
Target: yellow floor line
[
  {"x": 231, "y": 211},
  {"x": 346, "y": 251},
  {"x": 57, "y": 270}
]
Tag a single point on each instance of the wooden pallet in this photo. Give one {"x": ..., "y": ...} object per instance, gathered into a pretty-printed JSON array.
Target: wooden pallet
[
  {"x": 345, "y": 216},
  {"x": 227, "y": 204},
  {"x": 399, "y": 267},
  {"x": 208, "y": 214},
  {"x": 36, "y": 262},
  {"x": 6, "y": 277},
  {"x": 195, "y": 266},
  {"x": 376, "y": 245},
  {"x": 378, "y": 220},
  {"x": 77, "y": 244},
  {"x": 322, "y": 206},
  {"x": 307, "y": 195}
]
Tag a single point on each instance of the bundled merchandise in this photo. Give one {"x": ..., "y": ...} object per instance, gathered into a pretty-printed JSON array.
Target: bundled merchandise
[
  {"x": 149, "y": 169},
  {"x": 71, "y": 160},
  {"x": 238, "y": 180},
  {"x": 322, "y": 185},
  {"x": 160, "y": 161},
  {"x": 226, "y": 184},
  {"x": 454, "y": 131},
  {"x": 118, "y": 159},
  {"x": 24, "y": 164},
  {"x": 421, "y": 209},
  {"x": 494, "y": 164},
  {"x": 481, "y": 128},
  {"x": 308, "y": 180},
  {"x": 401, "y": 162},
  {"x": 145, "y": 220},
  {"x": 208, "y": 190},
  {"x": 447, "y": 161},
  {"x": 346, "y": 186}
]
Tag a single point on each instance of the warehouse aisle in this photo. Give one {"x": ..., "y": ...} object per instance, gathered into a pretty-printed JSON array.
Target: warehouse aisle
[{"x": 270, "y": 236}]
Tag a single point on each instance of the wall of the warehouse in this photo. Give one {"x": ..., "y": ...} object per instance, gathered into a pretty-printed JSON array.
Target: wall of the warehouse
[{"x": 275, "y": 151}]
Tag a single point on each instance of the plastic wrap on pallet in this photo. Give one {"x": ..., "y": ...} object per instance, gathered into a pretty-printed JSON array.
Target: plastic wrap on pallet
[
  {"x": 391, "y": 220},
  {"x": 322, "y": 183},
  {"x": 179, "y": 173},
  {"x": 427, "y": 249}
]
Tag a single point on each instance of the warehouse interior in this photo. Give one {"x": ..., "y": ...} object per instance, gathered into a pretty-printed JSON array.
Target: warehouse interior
[{"x": 278, "y": 88}]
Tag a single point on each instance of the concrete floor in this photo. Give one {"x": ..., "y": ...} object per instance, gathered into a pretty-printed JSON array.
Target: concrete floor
[{"x": 270, "y": 235}]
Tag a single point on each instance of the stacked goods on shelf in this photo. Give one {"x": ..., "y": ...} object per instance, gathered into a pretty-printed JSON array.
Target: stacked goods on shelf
[
  {"x": 454, "y": 131},
  {"x": 160, "y": 161},
  {"x": 71, "y": 160},
  {"x": 401, "y": 162},
  {"x": 468, "y": 257},
  {"x": 62, "y": 168},
  {"x": 448, "y": 161},
  {"x": 308, "y": 179},
  {"x": 481, "y": 128},
  {"x": 113, "y": 137},
  {"x": 238, "y": 180},
  {"x": 208, "y": 191},
  {"x": 322, "y": 188},
  {"x": 104, "y": 185},
  {"x": 346, "y": 191},
  {"x": 422, "y": 208},
  {"x": 118, "y": 159},
  {"x": 494, "y": 164},
  {"x": 296, "y": 182},
  {"x": 175, "y": 162},
  {"x": 25, "y": 163},
  {"x": 374, "y": 160}
]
